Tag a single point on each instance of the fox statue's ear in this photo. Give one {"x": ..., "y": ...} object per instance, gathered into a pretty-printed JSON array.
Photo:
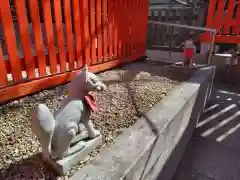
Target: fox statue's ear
[
  {"x": 85, "y": 68},
  {"x": 85, "y": 71}
]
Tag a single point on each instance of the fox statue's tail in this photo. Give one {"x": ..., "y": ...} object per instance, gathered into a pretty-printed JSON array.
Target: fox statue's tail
[{"x": 43, "y": 124}]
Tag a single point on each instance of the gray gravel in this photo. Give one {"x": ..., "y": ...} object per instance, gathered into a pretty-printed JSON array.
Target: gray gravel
[{"x": 132, "y": 90}]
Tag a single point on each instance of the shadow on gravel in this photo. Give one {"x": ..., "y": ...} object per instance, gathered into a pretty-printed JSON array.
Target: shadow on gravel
[{"x": 28, "y": 169}]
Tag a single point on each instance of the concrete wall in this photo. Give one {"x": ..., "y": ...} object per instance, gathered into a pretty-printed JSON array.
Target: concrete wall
[
  {"x": 163, "y": 56},
  {"x": 153, "y": 146},
  {"x": 165, "y": 36}
]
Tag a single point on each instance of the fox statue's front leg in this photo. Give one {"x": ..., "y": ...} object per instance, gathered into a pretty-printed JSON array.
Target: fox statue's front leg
[
  {"x": 92, "y": 132},
  {"x": 87, "y": 123}
]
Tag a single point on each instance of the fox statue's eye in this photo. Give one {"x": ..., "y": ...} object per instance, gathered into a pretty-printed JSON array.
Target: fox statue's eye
[{"x": 94, "y": 81}]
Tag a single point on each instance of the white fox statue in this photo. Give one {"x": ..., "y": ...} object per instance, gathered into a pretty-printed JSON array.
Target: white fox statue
[{"x": 55, "y": 132}]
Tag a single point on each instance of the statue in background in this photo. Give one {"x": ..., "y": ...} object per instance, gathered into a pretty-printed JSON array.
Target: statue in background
[
  {"x": 189, "y": 51},
  {"x": 58, "y": 133}
]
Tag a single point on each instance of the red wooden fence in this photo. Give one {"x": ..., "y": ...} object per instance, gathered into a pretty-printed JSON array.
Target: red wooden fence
[
  {"x": 100, "y": 33},
  {"x": 225, "y": 19}
]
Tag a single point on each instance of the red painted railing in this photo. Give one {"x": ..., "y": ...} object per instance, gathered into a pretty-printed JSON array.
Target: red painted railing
[
  {"x": 100, "y": 33},
  {"x": 225, "y": 19}
]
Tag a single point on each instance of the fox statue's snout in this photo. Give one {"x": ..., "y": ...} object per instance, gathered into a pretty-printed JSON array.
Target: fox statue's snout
[{"x": 102, "y": 87}]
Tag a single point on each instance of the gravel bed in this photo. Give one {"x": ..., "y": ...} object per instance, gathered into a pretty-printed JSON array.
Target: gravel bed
[{"x": 132, "y": 89}]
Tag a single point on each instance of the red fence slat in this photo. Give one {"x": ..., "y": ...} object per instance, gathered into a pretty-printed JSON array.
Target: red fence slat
[
  {"x": 115, "y": 30},
  {"x": 139, "y": 10},
  {"x": 11, "y": 44},
  {"x": 236, "y": 27},
  {"x": 130, "y": 29},
  {"x": 29, "y": 62},
  {"x": 85, "y": 31},
  {"x": 132, "y": 40},
  {"x": 210, "y": 15},
  {"x": 48, "y": 26},
  {"x": 229, "y": 17},
  {"x": 60, "y": 35},
  {"x": 105, "y": 29},
  {"x": 120, "y": 25},
  {"x": 37, "y": 35},
  {"x": 125, "y": 28},
  {"x": 134, "y": 33},
  {"x": 77, "y": 32},
  {"x": 128, "y": 35},
  {"x": 92, "y": 31},
  {"x": 140, "y": 38},
  {"x": 138, "y": 15},
  {"x": 133, "y": 6},
  {"x": 219, "y": 15},
  {"x": 110, "y": 29},
  {"x": 211, "y": 12},
  {"x": 69, "y": 34},
  {"x": 144, "y": 33},
  {"x": 99, "y": 30},
  {"x": 144, "y": 25}
]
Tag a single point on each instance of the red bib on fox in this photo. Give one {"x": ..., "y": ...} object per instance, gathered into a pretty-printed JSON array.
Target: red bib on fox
[{"x": 91, "y": 102}]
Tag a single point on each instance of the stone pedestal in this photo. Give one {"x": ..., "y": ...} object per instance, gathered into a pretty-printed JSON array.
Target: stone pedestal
[{"x": 62, "y": 166}]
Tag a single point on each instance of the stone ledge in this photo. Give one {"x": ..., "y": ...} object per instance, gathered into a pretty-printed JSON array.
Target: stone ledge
[{"x": 138, "y": 152}]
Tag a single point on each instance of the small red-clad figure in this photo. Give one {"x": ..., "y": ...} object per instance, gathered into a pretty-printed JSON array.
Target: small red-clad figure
[{"x": 189, "y": 51}]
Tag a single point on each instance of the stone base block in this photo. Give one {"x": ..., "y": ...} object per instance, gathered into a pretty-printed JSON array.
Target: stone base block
[{"x": 62, "y": 166}]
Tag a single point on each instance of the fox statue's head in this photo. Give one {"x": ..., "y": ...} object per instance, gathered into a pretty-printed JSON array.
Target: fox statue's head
[
  {"x": 92, "y": 82},
  {"x": 85, "y": 82}
]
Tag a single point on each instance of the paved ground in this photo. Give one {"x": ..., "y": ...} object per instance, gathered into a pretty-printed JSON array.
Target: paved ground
[{"x": 214, "y": 150}]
